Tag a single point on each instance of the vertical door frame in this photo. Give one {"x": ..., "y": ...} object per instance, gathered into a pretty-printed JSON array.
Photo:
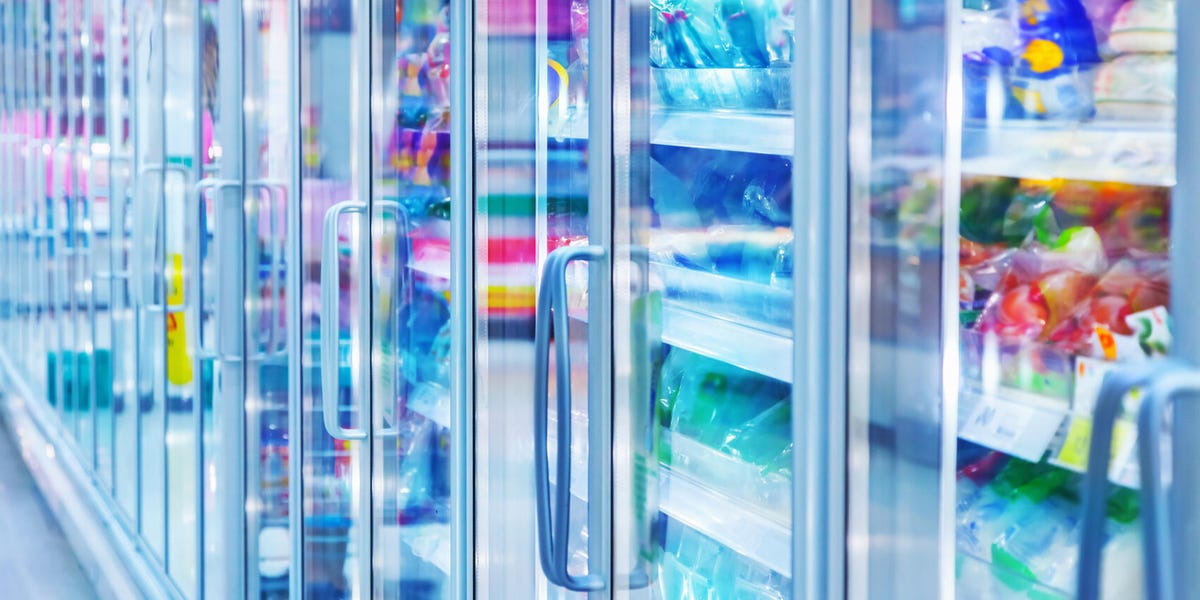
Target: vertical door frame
[
  {"x": 462, "y": 297},
  {"x": 821, "y": 284}
]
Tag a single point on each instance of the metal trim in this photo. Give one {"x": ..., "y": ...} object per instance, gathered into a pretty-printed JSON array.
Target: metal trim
[
  {"x": 462, "y": 297},
  {"x": 294, "y": 321},
  {"x": 607, "y": 57},
  {"x": 820, "y": 226}
]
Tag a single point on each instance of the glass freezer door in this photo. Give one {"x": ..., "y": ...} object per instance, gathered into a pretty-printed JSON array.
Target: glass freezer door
[
  {"x": 704, "y": 335},
  {"x": 411, "y": 316},
  {"x": 541, "y": 373},
  {"x": 334, "y": 300}
]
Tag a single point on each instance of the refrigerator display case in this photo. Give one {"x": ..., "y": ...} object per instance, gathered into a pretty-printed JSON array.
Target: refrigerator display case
[
  {"x": 1064, "y": 222},
  {"x": 561, "y": 299}
]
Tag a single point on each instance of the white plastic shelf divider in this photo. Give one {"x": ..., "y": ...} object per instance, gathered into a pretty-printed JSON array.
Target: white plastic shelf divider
[
  {"x": 727, "y": 521},
  {"x": 757, "y": 132},
  {"x": 738, "y": 344},
  {"x": 1136, "y": 153}
]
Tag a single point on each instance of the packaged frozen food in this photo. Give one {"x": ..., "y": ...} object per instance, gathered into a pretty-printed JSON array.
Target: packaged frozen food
[
  {"x": 1137, "y": 87},
  {"x": 1054, "y": 71},
  {"x": 1144, "y": 26},
  {"x": 1130, "y": 286}
]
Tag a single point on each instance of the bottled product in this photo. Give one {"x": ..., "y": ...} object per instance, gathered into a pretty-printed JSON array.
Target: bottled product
[{"x": 1053, "y": 74}]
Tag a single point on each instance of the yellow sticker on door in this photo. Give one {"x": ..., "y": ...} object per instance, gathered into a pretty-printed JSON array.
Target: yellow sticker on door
[{"x": 179, "y": 364}]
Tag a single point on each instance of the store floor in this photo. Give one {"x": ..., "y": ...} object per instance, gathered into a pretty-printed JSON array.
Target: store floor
[{"x": 35, "y": 559}]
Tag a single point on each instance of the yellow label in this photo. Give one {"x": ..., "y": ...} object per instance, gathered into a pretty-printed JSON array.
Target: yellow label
[
  {"x": 1043, "y": 56},
  {"x": 179, "y": 364},
  {"x": 1075, "y": 448}
]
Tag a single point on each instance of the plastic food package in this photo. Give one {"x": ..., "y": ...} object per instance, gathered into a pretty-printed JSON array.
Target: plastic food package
[
  {"x": 990, "y": 44},
  {"x": 1137, "y": 87},
  {"x": 725, "y": 408},
  {"x": 1053, "y": 75},
  {"x": 1000, "y": 210},
  {"x": 1101, "y": 13},
  {"x": 1128, "y": 287},
  {"x": 1131, "y": 220},
  {"x": 748, "y": 253},
  {"x": 1144, "y": 26},
  {"x": 1043, "y": 284}
]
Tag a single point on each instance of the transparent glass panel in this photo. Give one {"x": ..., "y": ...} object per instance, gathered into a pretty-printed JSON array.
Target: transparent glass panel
[
  {"x": 531, "y": 186},
  {"x": 59, "y": 202},
  {"x": 123, "y": 194},
  {"x": 39, "y": 172},
  {"x": 334, "y": 240},
  {"x": 79, "y": 289},
  {"x": 410, "y": 270},
  {"x": 703, "y": 312},
  {"x": 897, "y": 482},
  {"x": 99, "y": 283},
  {"x": 269, "y": 163},
  {"x": 146, "y": 266}
]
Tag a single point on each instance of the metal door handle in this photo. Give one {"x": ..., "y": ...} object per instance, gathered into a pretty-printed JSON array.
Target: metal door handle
[
  {"x": 193, "y": 294},
  {"x": 553, "y": 523},
  {"x": 277, "y": 191},
  {"x": 1162, "y": 381},
  {"x": 142, "y": 232},
  {"x": 329, "y": 320}
]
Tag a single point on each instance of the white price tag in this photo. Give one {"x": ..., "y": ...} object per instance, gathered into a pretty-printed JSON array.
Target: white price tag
[{"x": 1022, "y": 430}]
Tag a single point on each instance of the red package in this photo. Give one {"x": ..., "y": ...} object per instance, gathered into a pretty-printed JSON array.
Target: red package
[
  {"x": 1043, "y": 285},
  {"x": 1130, "y": 286}
]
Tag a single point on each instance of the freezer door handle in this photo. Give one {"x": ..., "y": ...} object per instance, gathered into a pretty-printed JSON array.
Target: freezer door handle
[
  {"x": 553, "y": 523},
  {"x": 193, "y": 295},
  {"x": 277, "y": 197},
  {"x": 330, "y": 275},
  {"x": 1162, "y": 381}
]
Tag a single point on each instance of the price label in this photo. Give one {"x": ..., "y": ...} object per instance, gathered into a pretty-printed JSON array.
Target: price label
[
  {"x": 1076, "y": 445},
  {"x": 1011, "y": 427}
]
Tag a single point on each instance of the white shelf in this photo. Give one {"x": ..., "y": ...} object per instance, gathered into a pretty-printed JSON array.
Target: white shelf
[
  {"x": 739, "y": 344},
  {"x": 1137, "y": 153},
  {"x": 728, "y": 521},
  {"x": 734, "y": 523},
  {"x": 757, "y": 132},
  {"x": 760, "y": 132}
]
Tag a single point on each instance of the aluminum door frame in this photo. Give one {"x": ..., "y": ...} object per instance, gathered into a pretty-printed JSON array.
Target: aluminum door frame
[
  {"x": 820, "y": 329},
  {"x": 462, "y": 298},
  {"x": 1185, "y": 285}
]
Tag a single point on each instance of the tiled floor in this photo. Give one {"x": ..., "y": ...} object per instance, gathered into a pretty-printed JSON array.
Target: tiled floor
[{"x": 35, "y": 559}]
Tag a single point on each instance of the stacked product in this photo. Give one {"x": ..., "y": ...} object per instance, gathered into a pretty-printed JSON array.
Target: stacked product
[
  {"x": 1138, "y": 82},
  {"x": 1069, "y": 59},
  {"x": 722, "y": 53},
  {"x": 1055, "y": 269},
  {"x": 1022, "y": 520}
]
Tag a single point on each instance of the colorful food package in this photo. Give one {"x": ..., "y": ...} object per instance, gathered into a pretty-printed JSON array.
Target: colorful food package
[
  {"x": 1144, "y": 26},
  {"x": 1136, "y": 87},
  {"x": 1130, "y": 286},
  {"x": 1053, "y": 75},
  {"x": 994, "y": 211},
  {"x": 1132, "y": 220},
  {"x": 1043, "y": 285}
]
